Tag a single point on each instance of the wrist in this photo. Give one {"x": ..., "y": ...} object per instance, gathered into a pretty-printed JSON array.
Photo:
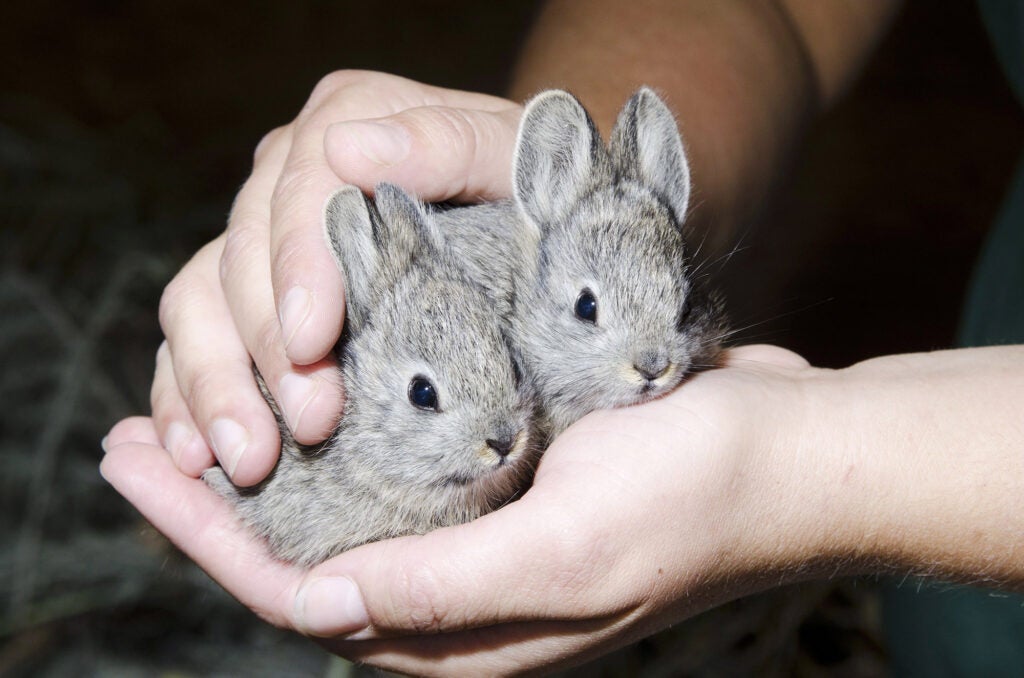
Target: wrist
[
  {"x": 905, "y": 464},
  {"x": 792, "y": 503}
]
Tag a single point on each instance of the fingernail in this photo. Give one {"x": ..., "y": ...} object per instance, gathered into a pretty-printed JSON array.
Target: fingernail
[
  {"x": 383, "y": 144},
  {"x": 229, "y": 440},
  {"x": 330, "y": 606},
  {"x": 296, "y": 393},
  {"x": 103, "y": 444},
  {"x": 294, "y": 310},
  {"x": 178, "y": 435}
]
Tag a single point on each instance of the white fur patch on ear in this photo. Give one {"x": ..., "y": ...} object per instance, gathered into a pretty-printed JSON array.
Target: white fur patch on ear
[
  {"x": 647, "y": 146},
  {"x": 555, "y": 156}
]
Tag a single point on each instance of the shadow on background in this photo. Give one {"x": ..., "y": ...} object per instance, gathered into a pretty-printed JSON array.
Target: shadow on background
[{"x": 125, "y": 130}]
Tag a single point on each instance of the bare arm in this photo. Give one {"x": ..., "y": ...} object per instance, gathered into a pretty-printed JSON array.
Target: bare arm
[
  {"x": 762, "y": 473},
  {"x": 927, "y": 459},
  {"x": 743, "y": 77}
]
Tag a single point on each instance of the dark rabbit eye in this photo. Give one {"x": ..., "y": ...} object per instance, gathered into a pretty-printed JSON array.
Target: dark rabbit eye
[
  {"x": 684, "y": 315},
  {"x": 422, "y": 394},
  {"x": 586, "y": 307}
]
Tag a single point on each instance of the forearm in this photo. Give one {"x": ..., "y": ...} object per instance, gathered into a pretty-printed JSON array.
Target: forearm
[
  {"x": 913, "y": 464},
  {"x": 742, "y": 77}
]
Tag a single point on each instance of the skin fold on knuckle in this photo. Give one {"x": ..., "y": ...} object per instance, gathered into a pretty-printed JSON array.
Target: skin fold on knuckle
[
  {"x": 348, "y": 94},
  {"x": 496, "y": 140},
  {"x": 271, "y": 139},
  {"x": 470, "y": 144},
  {"x": 573, "y": 561},
  {"x": 268, "y": 349},
  {"x": 421, "y": 600},
  {"x": 180, "y": 296},
  {"x": 329, "y": 85},
  {"x": 245, "y": 243},
  {"x": 164, "y": 397},
  {"x": 301, "y": 256},
  {"x": 210, "y": 387},
  {"x": 301, "y": 175}
]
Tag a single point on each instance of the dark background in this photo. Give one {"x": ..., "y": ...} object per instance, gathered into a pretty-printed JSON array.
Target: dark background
[{"x": 125, "y": 130}]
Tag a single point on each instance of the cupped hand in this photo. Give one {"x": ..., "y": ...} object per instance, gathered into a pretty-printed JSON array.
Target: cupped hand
[
  {"x": 637, "y": 518},
  {"x": 268, "y": 292}
]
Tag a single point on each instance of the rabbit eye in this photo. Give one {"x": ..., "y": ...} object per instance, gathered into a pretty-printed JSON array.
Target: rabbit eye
[
  {"x": 422, "y": 394},
  {"x": 586, "y": 307},
  {"x": 684, "y": 315}
]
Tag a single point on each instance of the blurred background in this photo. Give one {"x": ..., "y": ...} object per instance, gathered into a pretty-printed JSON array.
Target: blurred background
[{"x": 127, "y": 127}]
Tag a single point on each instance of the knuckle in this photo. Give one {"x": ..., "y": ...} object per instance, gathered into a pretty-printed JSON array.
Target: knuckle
[
  {"x": 163, "y": 357},
  {"x": 420, "y": 598},
  {"x": 574, "y": 555},
  {"x": 357, "y": 94},
  {"x": 188, "y": 288},
  {"x": 171, "y": 301},
  {"x": 292, "y": 252},
  {"x": 297, "y": 178},
  {"x": 450, "y": 130},
  {"x": 271, "y": 138},
  {"x": 268, "y": 341},
  {"x": 449, "y": 126},
  {"x": 241, "y": 243},
  {"x": 158, "y": 392},
  {"x": 332, "y": 83},
  {"x": 201, "y": 388}
]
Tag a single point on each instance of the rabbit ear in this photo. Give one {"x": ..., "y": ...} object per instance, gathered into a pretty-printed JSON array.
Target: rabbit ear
[
  {"x": 646, "y": 147},
  {"x": 372, "y": 248},
  {"x": 557, "y": 155}
]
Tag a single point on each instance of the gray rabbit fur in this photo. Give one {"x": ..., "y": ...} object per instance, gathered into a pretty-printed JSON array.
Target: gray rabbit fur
[
  {"x": 600, "y": 230},
  {"x": 405, "y": 457}
]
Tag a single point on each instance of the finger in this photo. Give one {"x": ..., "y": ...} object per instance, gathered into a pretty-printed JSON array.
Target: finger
[
  {"x": 306, "y": 282},
  {"x": 131, "y": 430},
  {"x": 564, "y": 551},
  {"x": 174, "y": 425},
  {"x": 310, "y": 396},
  {"x": 436, "y": 152},
  {"x": 213, "y": 372},
  {"x": 464, "y": 577},
  {"x": 301, "y": 274},
  {"x": 202, "y": 525},
  {"x": 508, "y": 649}
]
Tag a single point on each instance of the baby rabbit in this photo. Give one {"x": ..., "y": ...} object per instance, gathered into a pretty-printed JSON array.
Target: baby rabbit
[
  {"x": 588, "y": 263},
  {"x": 437, "y": 427}
]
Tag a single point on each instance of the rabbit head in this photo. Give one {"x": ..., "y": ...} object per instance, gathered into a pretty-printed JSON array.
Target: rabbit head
[
  {"x": 437, "y": 427},
  {"x": 435, "y": 406},
  {"x": 614, "y": 315}
]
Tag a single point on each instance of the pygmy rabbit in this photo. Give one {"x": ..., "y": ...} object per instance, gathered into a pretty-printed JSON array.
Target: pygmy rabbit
[
  {"x": 588, "y": 264},
  {"x": 437, "y": 426}
]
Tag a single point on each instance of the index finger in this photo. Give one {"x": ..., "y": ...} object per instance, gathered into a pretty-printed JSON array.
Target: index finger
[
  {"x": 306, "y": 281},
  {"x": 307, "y": 284}
]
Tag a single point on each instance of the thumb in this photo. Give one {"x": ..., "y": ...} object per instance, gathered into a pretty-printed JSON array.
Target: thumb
[
  {"x": 469, "y": 576},
  {"x": 766, "y": 354},
  {"x": 436, "y": 152}
]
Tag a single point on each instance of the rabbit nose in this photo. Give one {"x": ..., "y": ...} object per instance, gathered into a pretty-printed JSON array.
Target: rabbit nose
[
  {"x": 651, "y": 365},
  {"x": 502, "y": 446}
]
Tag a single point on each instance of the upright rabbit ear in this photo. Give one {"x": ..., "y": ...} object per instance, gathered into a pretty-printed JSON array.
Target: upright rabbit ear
[
  {"x": 371, "y": 249},
  {"x": 646, "y": 147},
  {"x": 557, "y": 156}
]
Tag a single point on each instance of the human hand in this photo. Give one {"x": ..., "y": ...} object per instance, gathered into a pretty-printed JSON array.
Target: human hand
[
  {"x": 268, "y": 291},
  {"x": 638, "y": 517}
]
